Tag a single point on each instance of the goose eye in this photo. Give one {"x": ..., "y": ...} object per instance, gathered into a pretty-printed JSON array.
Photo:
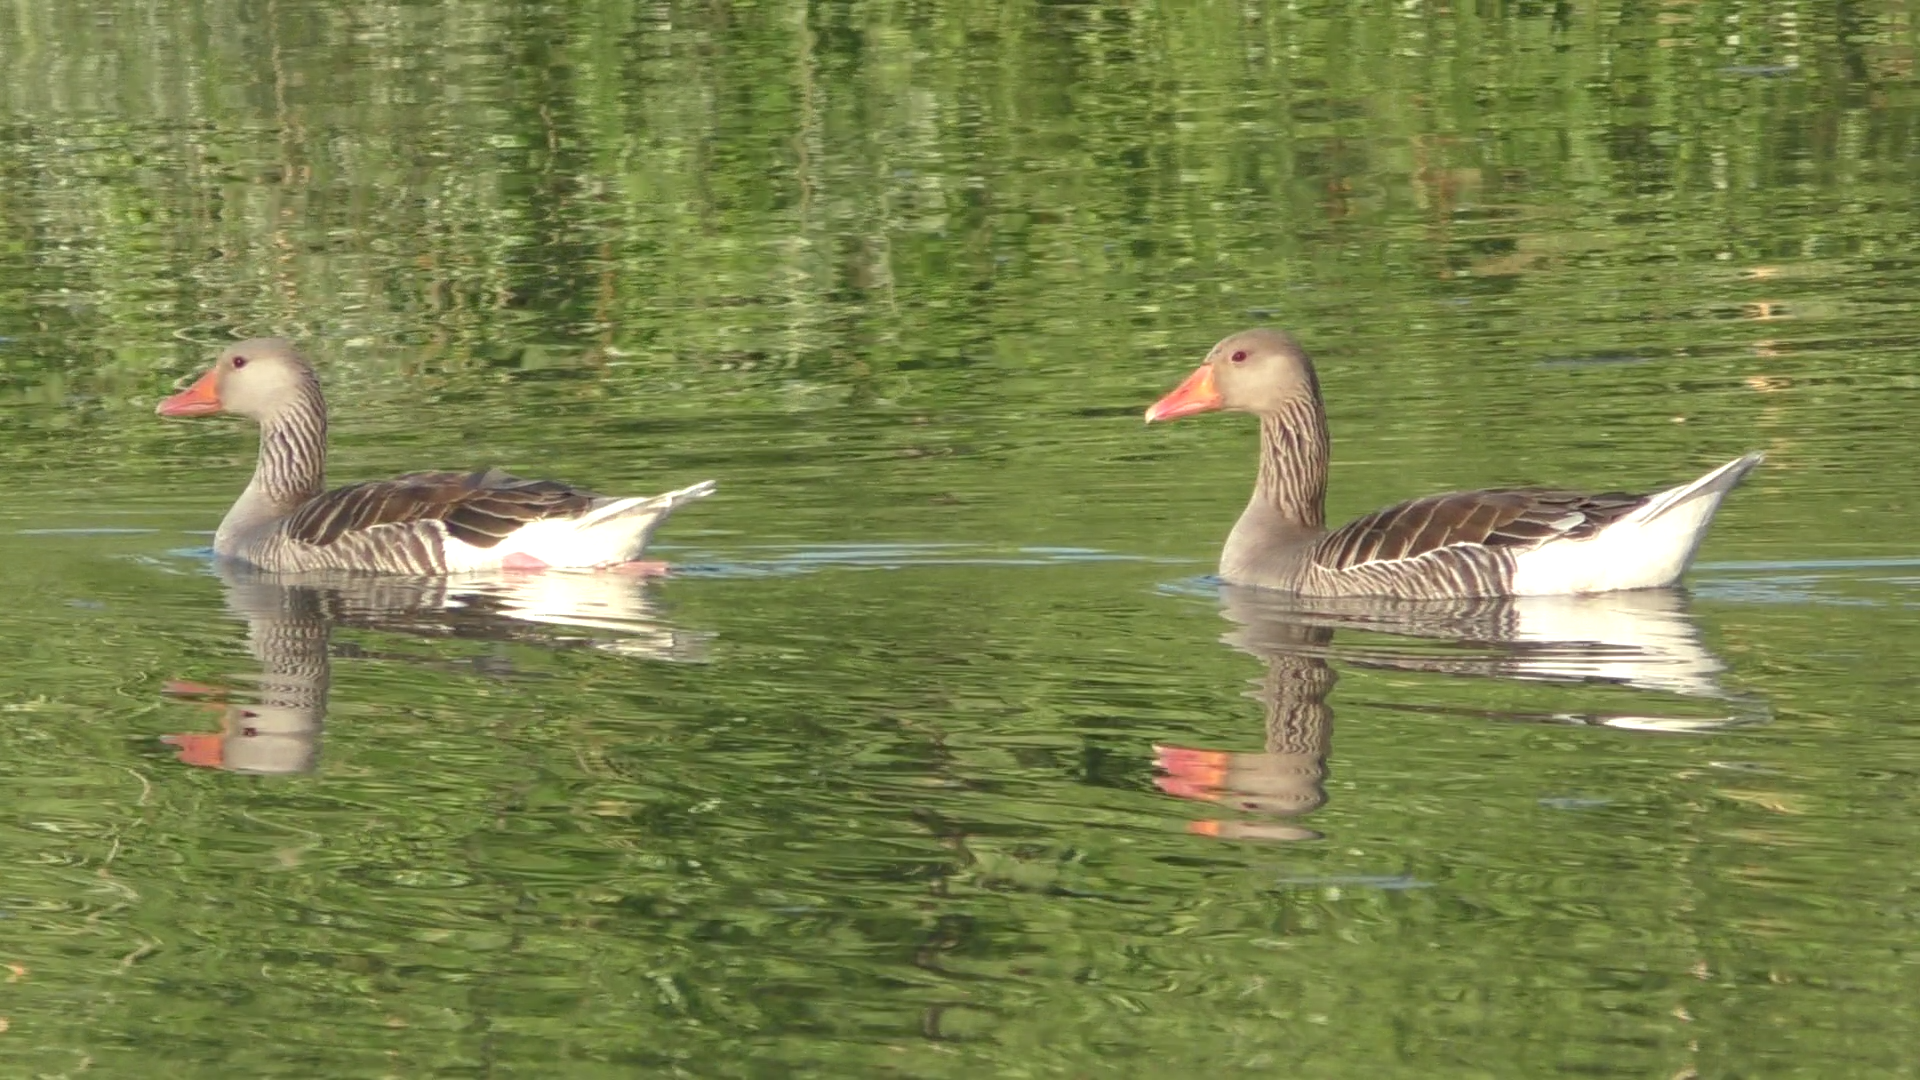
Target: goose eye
[
  {"x": 239, "y": 361},
  {"x": 1240, "y": 357}
]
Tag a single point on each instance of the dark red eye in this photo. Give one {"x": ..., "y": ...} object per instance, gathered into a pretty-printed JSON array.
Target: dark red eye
[
  {"x": 239, "y": 361},
  {"x": 1240, "y": 356}
]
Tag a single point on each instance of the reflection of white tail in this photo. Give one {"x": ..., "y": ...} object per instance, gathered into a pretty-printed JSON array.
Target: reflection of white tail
[
  {"x": 606, "y": 602},
  {"x": 1642, "y": 638},
  {"x": 290, "y": 619},
  {"x": 611, "y": 611},
  {"x": 1648, "y": 549}
]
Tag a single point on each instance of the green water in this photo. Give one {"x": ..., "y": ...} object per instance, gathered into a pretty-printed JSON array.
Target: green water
[{"x": 940, "y": 756}]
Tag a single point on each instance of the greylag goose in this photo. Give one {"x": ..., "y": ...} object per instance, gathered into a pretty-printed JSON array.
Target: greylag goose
[
  {"x": 1506, "y": 542},
  {"x": 421, "y": 523}
]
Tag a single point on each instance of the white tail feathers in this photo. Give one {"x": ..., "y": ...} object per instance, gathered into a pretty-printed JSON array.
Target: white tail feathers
[
  {"x": 1718, "y": 482},
  {"x": 614, "y": 532},
  {"x": 1647, "y": 549},
  {"x": 645, "y": 504}
]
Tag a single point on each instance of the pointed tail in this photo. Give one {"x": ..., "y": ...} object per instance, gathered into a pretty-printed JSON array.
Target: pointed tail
[
  {"x": 1716, "y": 483},
  {"x": 661, "y": 505}
]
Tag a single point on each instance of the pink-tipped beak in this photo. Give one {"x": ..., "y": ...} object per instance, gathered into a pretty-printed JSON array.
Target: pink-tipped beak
[
  {"x": 200, "y": 399},
  {"x": 1196, "y": 394}
]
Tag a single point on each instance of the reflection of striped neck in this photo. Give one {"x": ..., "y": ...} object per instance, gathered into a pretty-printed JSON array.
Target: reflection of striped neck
[
  {"x": 293, "y": 449},
  {"x": 1293, "y": 462},
  {"x": 291, "y": 644},
  {"x": 1299, "y": 728}
]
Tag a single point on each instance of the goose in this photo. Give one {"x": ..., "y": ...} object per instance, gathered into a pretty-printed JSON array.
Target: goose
[
  {"x": 1502, "y": 542},
  {"x": 421, "y": 523}
]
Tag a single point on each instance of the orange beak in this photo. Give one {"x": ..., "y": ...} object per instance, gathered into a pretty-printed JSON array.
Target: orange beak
[
  {"x": 200, "y": 399},
  {"x": 1195, "y": 395}
]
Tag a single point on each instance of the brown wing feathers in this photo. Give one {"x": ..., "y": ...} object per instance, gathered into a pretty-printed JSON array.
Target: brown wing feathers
[
  {"x": 1511, "y": 518},
  {"x": 480, "y": 508}
]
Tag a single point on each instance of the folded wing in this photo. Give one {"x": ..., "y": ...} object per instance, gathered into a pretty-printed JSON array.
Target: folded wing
[
  {"x": 1517, "y": 519},
  {"x": 478, "y": 508}
]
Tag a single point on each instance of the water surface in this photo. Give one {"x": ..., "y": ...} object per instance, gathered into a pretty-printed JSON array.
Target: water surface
[{"x": 943, "y": 756}]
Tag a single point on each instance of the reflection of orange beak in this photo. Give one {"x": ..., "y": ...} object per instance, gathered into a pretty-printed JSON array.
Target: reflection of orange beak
[
  {"x": 1252, "y": 830},
  {"x": 1191, "y": 774},
  {"x": 200, "y": 399},
  {"x": 1195, "y": 395},
  {"x": 205, "y": 750}
]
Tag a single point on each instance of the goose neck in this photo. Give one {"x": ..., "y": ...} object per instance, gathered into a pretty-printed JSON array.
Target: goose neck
[{"x": 1292, "y": 479}]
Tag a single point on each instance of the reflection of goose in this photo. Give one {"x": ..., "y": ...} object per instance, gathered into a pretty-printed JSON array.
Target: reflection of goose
[
  {"x": 287, "y": 632},
  {"x": 1641, "y": 640},
  {"x": 290, "y": 621},
  {"x": 1289, "y": 778}
]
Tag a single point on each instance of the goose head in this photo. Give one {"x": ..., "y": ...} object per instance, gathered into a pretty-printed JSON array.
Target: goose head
[
  {"x": 255, "y": 379},
  {"x": 1257, "y": 371}
]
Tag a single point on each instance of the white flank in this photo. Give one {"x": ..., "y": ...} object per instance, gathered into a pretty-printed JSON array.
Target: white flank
[
  {"x": 611, "y": 533},
  {"x": 1647, "y": 549}
]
